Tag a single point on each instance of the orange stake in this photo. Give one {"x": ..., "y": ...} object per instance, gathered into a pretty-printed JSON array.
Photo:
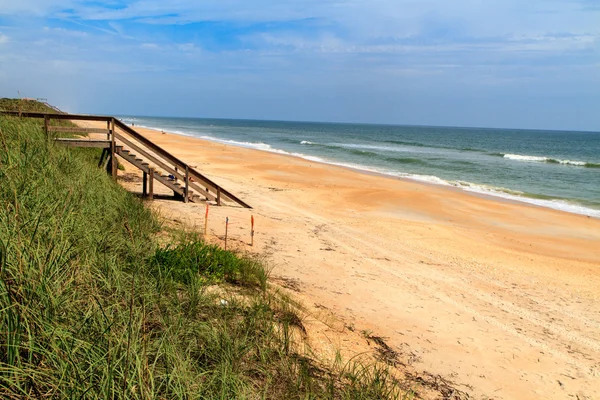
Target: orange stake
[
  {"x": 206, "y": 222},
  {"x": 226, "y": 226},
  {"x": 252, "y": 230}
]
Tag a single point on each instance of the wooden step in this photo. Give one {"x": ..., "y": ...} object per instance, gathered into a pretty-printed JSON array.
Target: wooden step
[{"x": 177, "y": 186}]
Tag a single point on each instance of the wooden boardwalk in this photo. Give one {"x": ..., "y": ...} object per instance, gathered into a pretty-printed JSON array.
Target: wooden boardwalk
[{"x": 155, "y": 162}]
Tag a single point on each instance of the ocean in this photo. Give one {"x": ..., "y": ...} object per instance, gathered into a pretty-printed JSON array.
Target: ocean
[{"x": 556, "y": 169}]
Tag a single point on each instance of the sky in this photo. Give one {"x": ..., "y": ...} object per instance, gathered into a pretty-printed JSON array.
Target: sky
[{"x": 487, "y": 63}]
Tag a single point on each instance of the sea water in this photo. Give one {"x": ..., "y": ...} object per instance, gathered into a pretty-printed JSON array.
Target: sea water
[{"x": 557, "y": 169}]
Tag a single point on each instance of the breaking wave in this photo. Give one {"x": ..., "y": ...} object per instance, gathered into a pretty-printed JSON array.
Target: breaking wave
[{"x": 549, "y": 160}]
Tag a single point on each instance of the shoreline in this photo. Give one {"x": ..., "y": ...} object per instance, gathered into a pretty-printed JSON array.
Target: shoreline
[{"x": 492, "y": 195}]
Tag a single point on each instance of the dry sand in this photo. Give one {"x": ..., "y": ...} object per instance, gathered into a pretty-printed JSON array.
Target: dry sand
[{"x": 499, "y": 297}]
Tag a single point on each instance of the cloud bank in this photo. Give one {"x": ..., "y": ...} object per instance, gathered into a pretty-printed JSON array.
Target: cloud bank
[{"x": 466, "y": 62}]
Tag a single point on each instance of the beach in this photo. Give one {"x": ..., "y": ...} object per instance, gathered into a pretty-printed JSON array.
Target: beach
[{"x": 498, "y": 296}]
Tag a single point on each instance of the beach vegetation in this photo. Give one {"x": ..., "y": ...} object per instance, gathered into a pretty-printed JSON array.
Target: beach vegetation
[{"x": 99, "y": 300}]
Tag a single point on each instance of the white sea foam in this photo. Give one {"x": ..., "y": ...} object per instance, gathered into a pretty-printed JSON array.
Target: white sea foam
[
  {"x": 306, "y": 142},
  {"x": 154, "y": 128},
  {"x": 518, "y": 157},
  {"x": 556, "y": 204},
  {"x": 263, "y": 147},
  {"x": 508, "y": 194},
  {"x": 248, "y": 145}
]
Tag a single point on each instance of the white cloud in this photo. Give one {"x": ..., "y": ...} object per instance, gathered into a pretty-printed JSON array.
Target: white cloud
[
  {"x": 34, "y": 7},
  {"x": 3, "y": 38},
  {"x": 187, "y": 47},
  {"x": 65, "y": 32}
]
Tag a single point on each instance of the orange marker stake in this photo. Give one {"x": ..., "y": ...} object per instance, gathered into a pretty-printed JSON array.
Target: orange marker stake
[
  {"x": 226, "y": 226},
  {"x": 206, "y": 222},
  {"x": 252, "y": 230}
]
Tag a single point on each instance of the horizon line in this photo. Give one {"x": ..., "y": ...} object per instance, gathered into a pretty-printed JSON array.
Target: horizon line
[{"x": 361, "y": 123}]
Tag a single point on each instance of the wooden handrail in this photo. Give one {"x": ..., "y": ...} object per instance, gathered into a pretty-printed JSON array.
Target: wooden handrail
[
  {"x": 164, "y": 166},
  {"x": 80, "y": 117}
]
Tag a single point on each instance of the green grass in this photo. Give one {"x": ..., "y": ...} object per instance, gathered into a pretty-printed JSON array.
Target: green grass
[
  {"x": 93, "y": 306},
  {"x": 23, "y": 105}
]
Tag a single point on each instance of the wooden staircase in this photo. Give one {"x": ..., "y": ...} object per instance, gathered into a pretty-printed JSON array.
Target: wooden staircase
[
  {"x": 169, "y": 180},
  {"x": 155, "y": 162}
]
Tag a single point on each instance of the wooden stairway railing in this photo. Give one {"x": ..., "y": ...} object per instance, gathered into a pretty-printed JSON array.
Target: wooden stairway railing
[{"x": 123, "y": 140}]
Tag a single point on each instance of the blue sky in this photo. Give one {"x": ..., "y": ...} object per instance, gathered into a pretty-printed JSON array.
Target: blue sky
[{"x": 492, "y": 63}]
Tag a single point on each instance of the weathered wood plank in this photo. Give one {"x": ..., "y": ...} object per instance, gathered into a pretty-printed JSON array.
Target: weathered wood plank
[
  {"x": 186, "y": 192},
  {"x": 113, "y": 151},
  {"x": 77, "y": 129},
  {"x": 145, "y": 184},
  {"x": 103, "y": 144}
]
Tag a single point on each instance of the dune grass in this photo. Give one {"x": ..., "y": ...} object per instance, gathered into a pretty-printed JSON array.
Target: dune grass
[
  {"x": 93, "y": 306},
  {"x": 24, "y": 105}
]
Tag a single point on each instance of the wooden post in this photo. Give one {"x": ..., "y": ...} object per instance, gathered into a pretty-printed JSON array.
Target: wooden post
[
  {"x": 113, "y": 153},
  {"x": 226, "y": 226},
  {"x": 151, "y": 183},
  {"x": 218, "y": 195},
  {"x": 207, "y": 191},
  {"x": 145, "y": 184},
  {"x": 109, "y": 131},
  {"x": 113, "y": 148},
  {"x": 46, "y": 125},
  {"x": 186, "y": 191}
]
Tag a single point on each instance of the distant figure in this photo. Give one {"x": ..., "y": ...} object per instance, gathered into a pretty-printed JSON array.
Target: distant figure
[
  {"x": 163, "y": 132},
  {"x": 133, "y": 124}
]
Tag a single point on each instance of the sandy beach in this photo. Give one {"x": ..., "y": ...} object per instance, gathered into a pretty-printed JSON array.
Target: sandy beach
[{"x": 499, "y": 297}]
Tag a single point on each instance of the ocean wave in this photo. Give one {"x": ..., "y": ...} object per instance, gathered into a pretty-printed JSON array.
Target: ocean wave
[
  {"x": 169, "y": 130},
  {"x": 408, "y": 143},
  {"x": 549, "y": 160},
  {"x": 263, "y": 147},
  {"x": 248, "y": 145},
  {"x": 396, "y": 148},
  {"x": 306, "y": 142},
  {"x": 433, "y": 146},
  {"x": 406, "y": 160}
]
